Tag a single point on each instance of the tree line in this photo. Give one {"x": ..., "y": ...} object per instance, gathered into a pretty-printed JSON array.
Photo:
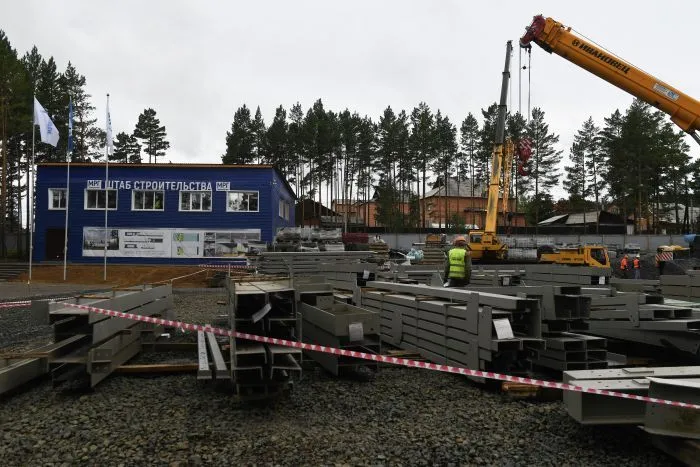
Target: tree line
[
  {"x": 394, "y": 159},
  {"x": 636, "y": 163}
]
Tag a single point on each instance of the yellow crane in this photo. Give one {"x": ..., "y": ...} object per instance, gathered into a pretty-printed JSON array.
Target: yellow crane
[{"x": 485, "y": 244}]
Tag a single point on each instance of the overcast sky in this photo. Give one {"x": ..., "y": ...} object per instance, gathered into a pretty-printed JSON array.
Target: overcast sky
[{"x": 195, "y": 63}]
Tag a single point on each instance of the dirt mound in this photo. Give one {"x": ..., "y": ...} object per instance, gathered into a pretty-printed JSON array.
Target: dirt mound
[{"x": 119, "y": 275}]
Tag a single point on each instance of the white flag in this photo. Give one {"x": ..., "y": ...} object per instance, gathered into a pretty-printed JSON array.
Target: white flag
[
  {"x": 49, "y": 132},
  {"x": 110, "y": 141}
]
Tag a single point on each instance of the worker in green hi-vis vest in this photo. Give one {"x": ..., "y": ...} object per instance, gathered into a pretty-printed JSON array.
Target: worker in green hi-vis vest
[{"x": 458, "y": 267}]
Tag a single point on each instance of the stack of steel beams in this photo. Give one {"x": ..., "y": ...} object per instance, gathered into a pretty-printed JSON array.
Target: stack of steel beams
[
  {"x": 685, "y": 287},
  {"x": 305, "y": 263},
  {"x": 260, "y": 371},
  {"x": 560, "y": 274},
  {"x": 563, "y": 309},
  {"x": 651, "y": 286},
  {"x": 101, "y": 343},
  {"x": 348, "y": 276},
  {"x": 341, "y": 326},
  {"x": 411, "y": 274},
  {"x": 595, "y": 409},
  {"x": 644, "y": 319},
  {"x": 495, "y": 277},
  {"x": 451, "y": 326}
]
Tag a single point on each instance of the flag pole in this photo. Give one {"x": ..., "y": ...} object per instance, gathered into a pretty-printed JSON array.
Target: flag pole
[
  {"x": 69, "y": 148},
  {"x": 108, "y": 125},
  {"x": 30, "y": 199}
]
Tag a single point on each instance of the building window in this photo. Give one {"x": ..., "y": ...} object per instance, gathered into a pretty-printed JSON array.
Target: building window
[
  {"x": 242, "y": 201},
  {"x": 57, "y": 198},
  {"x": 147, "y": 200},
  {"x": 195, "y": 201},
  {"x": 95, "y": 199},
  {"x": 284, "y": 209}
]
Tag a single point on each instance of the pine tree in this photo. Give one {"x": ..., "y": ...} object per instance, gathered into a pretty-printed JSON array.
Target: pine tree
[
  {"x": 349, "y": 133},
  {"x": 422, "y": 146},
  {"x": 446, "y": 152},
  {"x": 86, "y": 135},
  {"x": 257, "y": 127},
  {"x": 295, "y": 138},
  {"x": 277, "y": 152},
  {"x": 152, "y": 135},
  {"x": 545, "y": 158},
  {"x": 469, "y": 140},
  {"x": 487, "y": 137},
  {"x": 366, "y": 153},
  {"x": 15, "y": 99},
  {"x": 48, "y": 92},
  {"x": 612, "y": 152},
  {"x": 515, "y": 129},
  {"x": 594, "y": 161},
  {"x": 677, "y": 169},
  {"x": 404, "y": 174},
  {"x": 126, "y": 149},
  {"x": 583, "y": 151},
  {"x": 240, "y": 140}
]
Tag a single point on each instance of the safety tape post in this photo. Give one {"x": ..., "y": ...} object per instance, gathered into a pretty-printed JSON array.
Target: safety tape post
[{"x": 380, "y": 358}]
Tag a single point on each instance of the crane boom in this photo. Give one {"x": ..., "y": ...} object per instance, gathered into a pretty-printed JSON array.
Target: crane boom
[
  {"x": 553, "y": 36},
  {"x": 497, "y": 161}
]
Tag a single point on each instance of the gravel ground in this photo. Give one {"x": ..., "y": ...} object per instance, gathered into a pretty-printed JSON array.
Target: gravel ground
[
  {"x": 20, "y": 290},
  {"x": 17, "y": 331},
  {"x": 403, "y": 417}
]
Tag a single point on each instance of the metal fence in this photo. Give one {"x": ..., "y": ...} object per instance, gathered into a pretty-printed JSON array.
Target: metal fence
[{"x": 646, "y": 242}]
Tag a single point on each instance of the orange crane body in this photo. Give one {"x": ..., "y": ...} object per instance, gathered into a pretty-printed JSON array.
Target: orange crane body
[{"x": 553, "y": 36}]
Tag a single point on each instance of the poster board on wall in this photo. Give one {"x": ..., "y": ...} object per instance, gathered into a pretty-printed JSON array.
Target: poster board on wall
[{"x": 167, "y": 243}]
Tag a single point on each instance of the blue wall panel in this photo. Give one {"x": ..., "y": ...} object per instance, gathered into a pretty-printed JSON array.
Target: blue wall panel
[{"x": 265, "y": 180}]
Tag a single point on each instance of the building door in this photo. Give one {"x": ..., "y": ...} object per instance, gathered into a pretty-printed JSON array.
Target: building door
[{"x": 54, "y": 244}]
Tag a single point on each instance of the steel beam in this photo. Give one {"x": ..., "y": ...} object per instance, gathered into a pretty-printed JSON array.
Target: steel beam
[{"x": 203, "y": 371}]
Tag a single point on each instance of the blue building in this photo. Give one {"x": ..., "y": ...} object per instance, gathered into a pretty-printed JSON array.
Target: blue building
[{"x": 158, "y": 213}]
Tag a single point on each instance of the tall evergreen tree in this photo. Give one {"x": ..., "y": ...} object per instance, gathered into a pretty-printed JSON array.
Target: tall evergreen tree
[
  {"x": 259, "y": 130},
  {"x": 15, "y": 99},
  {"x": 86, "y": 135},
  {"x": 487, "y": 137},
  {"x": 126, "y": 149},
  {"x": 277, "y": 143},
  {"x": 240, "y": 140},
  {"x": 677, "y": 169},
  {"x": 446, "y": 153},
  {"x": 592, "y": 145},
  {"x": 48, "y": 92},
  {"x": 295, "y": 138},
  {"x": 584, "y": 148},
  {"x": 544, "y": 173},
  {"x": 422, "y": 146},
  {"x": 515, "y": 129},
  {"x": 152, "y": 135},
  {"x": 366, "y": 153},
  {"x": 469, "y": 141},
  {"x": 613, "y": 151}
]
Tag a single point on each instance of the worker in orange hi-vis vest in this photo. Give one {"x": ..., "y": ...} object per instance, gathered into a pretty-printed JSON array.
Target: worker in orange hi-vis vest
[
  {"x": 624, "y": 266},
  {"x": 636, "y": 263}
]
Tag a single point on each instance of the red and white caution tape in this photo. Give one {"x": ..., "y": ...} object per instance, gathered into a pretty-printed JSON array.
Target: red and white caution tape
[
  {"x": 15, "y": 304},
  {"x": 380, "y": 358},
  {"x": 225, "y": 266},
  {"x": 29, "y": 302}
]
